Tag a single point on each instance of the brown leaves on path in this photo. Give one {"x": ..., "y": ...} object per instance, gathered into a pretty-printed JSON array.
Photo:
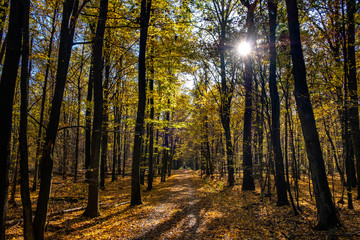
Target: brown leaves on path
[{"x": 185, "y": 207}]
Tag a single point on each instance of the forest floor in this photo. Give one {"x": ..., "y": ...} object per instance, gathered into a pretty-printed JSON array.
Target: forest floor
[{"x": 184, "y": 207}]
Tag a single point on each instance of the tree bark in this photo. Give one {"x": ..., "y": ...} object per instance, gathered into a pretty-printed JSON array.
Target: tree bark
[
  {"x": 151, "y": 128},
  {"x": 275, "y": 113},
  {"x": 23, "y": 146},
  {"x": 248, "y": 179},
  {"x": 328, "y": 217},
  {"x": 7, "y": 89},
  {"x": 140, "y": 117},
  {"x": 92, "y": 209},
  {"x": 353, "y": 89}
]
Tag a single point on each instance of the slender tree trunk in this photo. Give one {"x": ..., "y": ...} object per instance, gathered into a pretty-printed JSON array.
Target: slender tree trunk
[
  {"x": 7, "y": 89},
  {"x": 225, "y": 108},
  {"x": 43, "y": 99},
  {"x": 76, "y": 163},
  {"x": 92, "y": 209},
  {"x": 46, "y": 163},
  {"x": 140, "y": 117},
  {"x": 23, "y": 146},
  {"x": 248, "y": 180},
  {"x": 328, "y": 217},
  {"x": 353, "y": 89},
  {"x": 104, "y": 130},
  {"x": 125, "y": 149},
  {"x": 275, "y": 106},
  {"x": 151, "y": 128}
]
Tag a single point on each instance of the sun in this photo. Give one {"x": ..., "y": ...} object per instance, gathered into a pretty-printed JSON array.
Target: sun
[{"x": 243, "y": 48}]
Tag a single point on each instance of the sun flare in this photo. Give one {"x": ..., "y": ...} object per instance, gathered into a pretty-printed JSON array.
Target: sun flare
[{"x": 243, "y": 48}]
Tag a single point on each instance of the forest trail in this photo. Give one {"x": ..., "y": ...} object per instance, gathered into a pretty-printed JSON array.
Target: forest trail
[
  {"x": 180, "y": 204},
  {"x": 186, "y": 206}
]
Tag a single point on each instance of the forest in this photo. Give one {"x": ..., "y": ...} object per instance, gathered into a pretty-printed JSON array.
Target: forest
[{"x": 179, "y": 119}]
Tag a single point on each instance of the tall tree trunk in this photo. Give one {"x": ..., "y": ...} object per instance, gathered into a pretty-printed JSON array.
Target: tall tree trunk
[
  {"x": 353, "y": 89},
  {"x": 7, "y": 89},
  {"x": 46, "y": 164},
  {"x": 140, "y": 117},
  {"x": 328, "y": 217},
  {"x": 92, "y": 209},
  {"x": 225, "y": 108},
  {"x": 125, "y": 149},
  {"x": 151, "y": 128},
  {"x": 43, "y": 99},
  {"x": 104, "y": 141},
  {"x": 248, "y": 180},
  {"x": 23, "y": 146},
  {"x": 275, "y": 106},
  {"x": 78, "y": 111}
]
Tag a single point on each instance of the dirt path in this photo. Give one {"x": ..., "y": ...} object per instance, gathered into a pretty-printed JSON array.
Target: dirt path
[
  {"x": 181, "y": 209},
  {"x": 186, "y": 207}
]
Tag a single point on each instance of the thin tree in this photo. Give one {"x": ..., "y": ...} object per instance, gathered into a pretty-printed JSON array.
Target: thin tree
[
  {"x": 275, "y": 107},
  {"x": 248, "y": 179},
  {"x": 327, "y": 214},
  {"x": 140, "y": 117},
  {"x": 23, "y": 146},
  {"x": 69, "y": 18},
  {"x": 7, "y": 90},
  {"x": 92, "y": 209}
]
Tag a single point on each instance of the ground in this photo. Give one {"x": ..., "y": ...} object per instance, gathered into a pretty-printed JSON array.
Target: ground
[{"x": 186, "y": 206}]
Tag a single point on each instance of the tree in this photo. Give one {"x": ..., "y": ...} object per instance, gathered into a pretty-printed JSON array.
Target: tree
[
  {"x": 140, "y": 117},
  {"x": 23, "y": 146},
  {"x": 248, "y": 180},
  {"x": 275, "y": 107},
  {"x": 7, "y": 89},
  {"x": 353, "y": 89},
  {"x": 92, "y": 209},
  {"x": 69, "y": 18},
  {"x": 328, "y": 217}
]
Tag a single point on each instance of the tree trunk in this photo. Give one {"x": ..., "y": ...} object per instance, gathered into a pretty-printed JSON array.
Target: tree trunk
[
  {"x": 7, "y": 89},
  {"x": 23, "y": 146},
  {"x": 78, "y": 111},
  {"x": 43, "y": 99},
  {"x": 46, "y": 164},
  {"x": 151, "y": 128},
  {"x": 92, "y": 209},
  {"x": 353, "y": 89},
  {"x": 140, "y": 117},
  {"x": 248, "y": 180},
  {"x": 104, "y": 141},
  {"x": 328, "y": 217},
  {"x": 275, "y": 106}
]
